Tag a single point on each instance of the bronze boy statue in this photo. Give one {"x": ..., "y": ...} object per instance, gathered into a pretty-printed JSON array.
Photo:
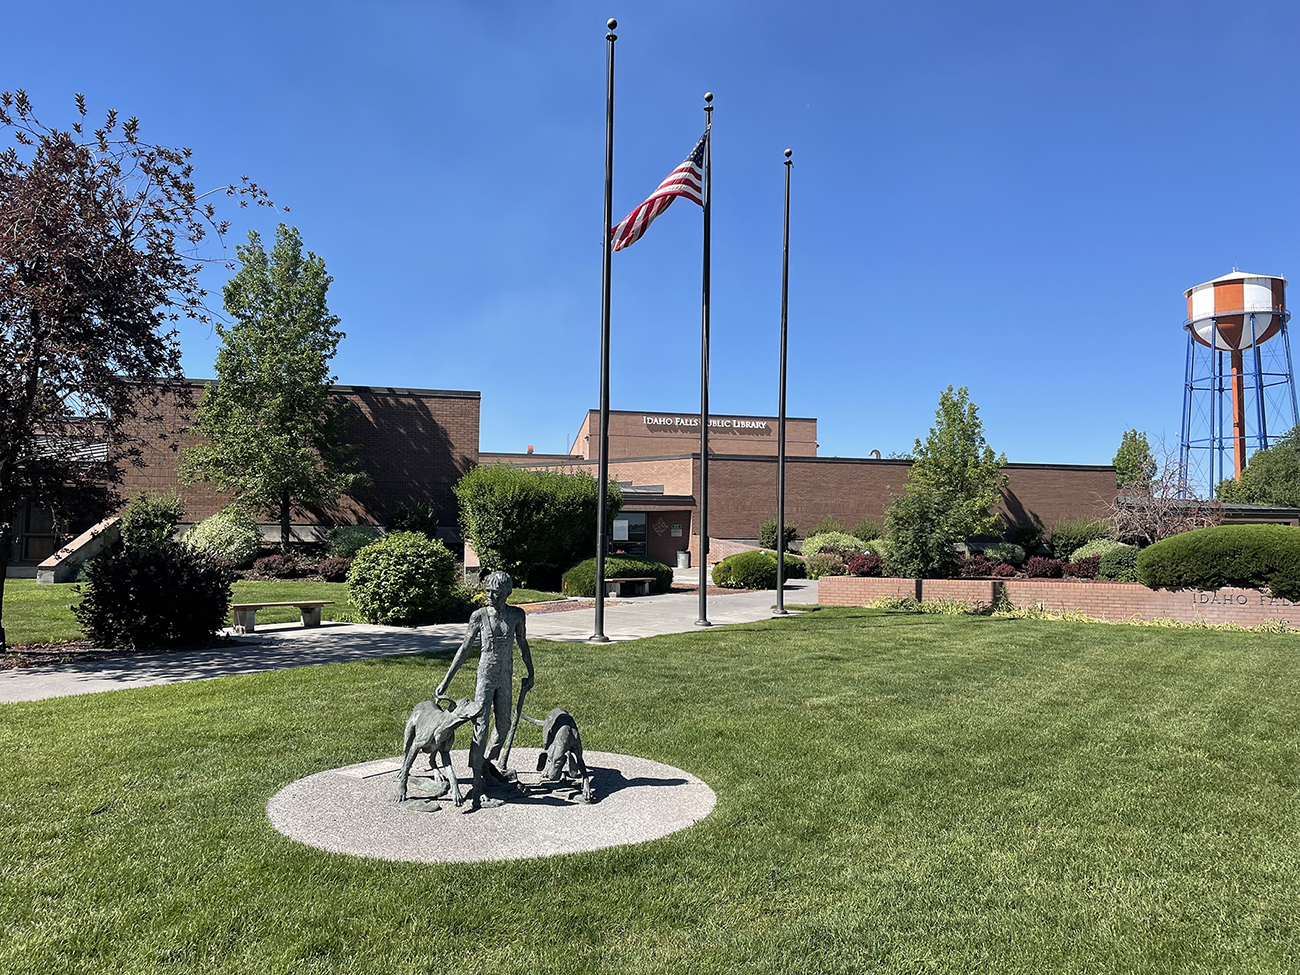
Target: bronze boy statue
[{"x": 497, "y": 628}]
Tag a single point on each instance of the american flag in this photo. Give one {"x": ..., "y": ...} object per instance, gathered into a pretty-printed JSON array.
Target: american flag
[{"x": 686, "y": 180}]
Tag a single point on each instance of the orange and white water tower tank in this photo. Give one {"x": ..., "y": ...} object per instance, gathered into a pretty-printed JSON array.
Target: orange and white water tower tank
[
  {"x": 1234, "y": 371},
  {"x": 1237, "y": 311}
]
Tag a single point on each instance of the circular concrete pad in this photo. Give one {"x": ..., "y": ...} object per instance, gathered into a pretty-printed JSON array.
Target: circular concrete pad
[{"x": 352, "y": 810}]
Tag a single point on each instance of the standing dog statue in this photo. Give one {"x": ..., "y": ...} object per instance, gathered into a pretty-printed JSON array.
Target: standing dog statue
[
  {"x": 432, "y": 729},
  {"x": 561, "y": 745}
]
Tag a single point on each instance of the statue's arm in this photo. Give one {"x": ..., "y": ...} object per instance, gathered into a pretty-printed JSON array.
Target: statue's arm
[
  {"x": 471, "y": 634},
  {"x": 521, "y": 637}
]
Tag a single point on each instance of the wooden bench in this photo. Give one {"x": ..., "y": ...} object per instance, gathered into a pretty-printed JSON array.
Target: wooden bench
[
  {"x": 246, "y": 613},
  {"x": 614, "y": 587}
]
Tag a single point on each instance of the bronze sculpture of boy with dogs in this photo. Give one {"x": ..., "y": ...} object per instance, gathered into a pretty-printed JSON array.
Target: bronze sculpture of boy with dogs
[{"x": 497, "y": 628}]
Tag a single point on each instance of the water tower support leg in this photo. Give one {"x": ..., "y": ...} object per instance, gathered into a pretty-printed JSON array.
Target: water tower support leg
[
  {"x": 1238, "y": 367},
  {"x": 1185, "y": 445},
  {"x": 1262, "y": 429},
  {"x": 1290, "y": 376}
]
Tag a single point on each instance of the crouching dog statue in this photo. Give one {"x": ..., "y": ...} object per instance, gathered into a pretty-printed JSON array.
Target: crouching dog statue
[{"x": 562, "y": 746}]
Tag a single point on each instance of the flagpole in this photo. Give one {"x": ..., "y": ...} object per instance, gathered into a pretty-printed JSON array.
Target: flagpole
[
  {"x": 780, "y": 430},
  {"x": 602, "y": 477},
  {"x": 704, "y": 369}
]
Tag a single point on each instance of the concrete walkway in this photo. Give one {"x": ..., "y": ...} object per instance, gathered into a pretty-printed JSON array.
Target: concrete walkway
[{"x": 279, "y": 646}]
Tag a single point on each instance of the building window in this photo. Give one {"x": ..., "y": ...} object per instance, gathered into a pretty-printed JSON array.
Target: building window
[{"x": 629, "y": 534}]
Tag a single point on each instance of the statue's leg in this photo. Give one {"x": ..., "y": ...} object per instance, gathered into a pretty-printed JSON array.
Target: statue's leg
[
  {"x": 503, "y": 715},
  {"x": 407, "y": 760},
  {"x": 456, "y": 797}
]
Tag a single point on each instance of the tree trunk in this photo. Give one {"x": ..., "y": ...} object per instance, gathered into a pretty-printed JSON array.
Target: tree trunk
[
  {"x": 284, "y": 525},
  {"x": 6, "y": 543}
]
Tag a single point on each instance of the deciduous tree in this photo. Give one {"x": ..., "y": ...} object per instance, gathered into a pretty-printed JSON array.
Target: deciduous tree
[
  {"x": 1271, "y": 477},
  {"x": 102, "y": 239},
  {"x": 1135, "y": 467},
  {"x": 273, "y": 434},
  {"x": 955, "y": 461}
]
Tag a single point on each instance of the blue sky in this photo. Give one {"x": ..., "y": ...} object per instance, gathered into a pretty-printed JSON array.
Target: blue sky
[{"x": 1011, "y": 197}]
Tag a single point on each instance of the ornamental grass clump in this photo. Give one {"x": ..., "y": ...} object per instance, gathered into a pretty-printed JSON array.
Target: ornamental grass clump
[
  {"x": 146, "y": 597},
  {"x": 1243, "y": 556},
  {"x": 404, "y": 579}
]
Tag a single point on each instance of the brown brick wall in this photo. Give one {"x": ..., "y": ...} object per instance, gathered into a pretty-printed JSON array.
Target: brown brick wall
[
  {"x": 1104, "y": 600},
  {"x": 631, "y": 436},
  {"x": 742, "y": 490},
  {"x": 413, "y": 444},
  {"x": 850, "y": 490}
]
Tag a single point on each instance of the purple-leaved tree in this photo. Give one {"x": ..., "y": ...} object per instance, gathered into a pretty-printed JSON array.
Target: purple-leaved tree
[{"x": 102, "y": 240}]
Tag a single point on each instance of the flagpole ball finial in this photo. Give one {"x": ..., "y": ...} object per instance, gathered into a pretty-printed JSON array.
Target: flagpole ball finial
[
  {"x": 611, "y": 23},
  {"x": 708, "y": 97},
  {"x": 789, "y": 153}
]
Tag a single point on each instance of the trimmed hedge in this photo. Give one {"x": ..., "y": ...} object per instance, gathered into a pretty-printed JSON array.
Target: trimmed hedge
[
  {"x": 1119, "y": 564},
  {"x": 1244, "y": 556},
  {"x": 404, "y": 579},
  {"x": 159, "y": 595},
  {"x": 755, "y": 570},
  {"x": 581, "y": 579}
]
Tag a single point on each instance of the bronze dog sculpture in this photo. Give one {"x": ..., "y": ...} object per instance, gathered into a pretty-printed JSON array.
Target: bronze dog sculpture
[
  {"x": 561, "y": 746},
  {"x": 432, "y": 729}
]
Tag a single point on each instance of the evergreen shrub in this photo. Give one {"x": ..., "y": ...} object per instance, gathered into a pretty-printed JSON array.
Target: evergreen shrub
[
  {"x": 345, "y": 541},
  {"x": 149, "y": 519},
  {"x": 1119, "y": 564},
  {"x": 767, "y": 534},
  {"x": 1027, "y": 534},
  {"x": 756, "y": 570},
  {"x": 922, "y": 530},
  {"x": 1070, "y": 534},
  {"x": 581, "y": 579},
  {"x": 404, "y": 579},
  {"x": 145, "y": 597},
  {"x": 413, "y": 516},
  {"x": 1244, "y": 556},
  {"x": 823, "y": 564},
  {"x": 866, "y": 529},
  {"x": 231, "y": 533}
]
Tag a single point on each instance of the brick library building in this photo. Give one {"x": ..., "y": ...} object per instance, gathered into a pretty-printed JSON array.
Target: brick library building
[{"x": 414, "y": 444}]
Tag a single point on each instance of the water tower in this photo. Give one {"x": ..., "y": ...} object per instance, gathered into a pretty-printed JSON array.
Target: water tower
[{"x": 1239, "y": 395}]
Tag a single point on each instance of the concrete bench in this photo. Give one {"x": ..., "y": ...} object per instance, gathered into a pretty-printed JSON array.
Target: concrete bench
[
  {"x": 614, "y": 587},
  {"x": 246, "y": 613}
]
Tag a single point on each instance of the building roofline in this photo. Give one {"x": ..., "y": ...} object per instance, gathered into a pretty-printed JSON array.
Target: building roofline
[
  {"x": 389, "y": 390},
  {"x": 791, "y": 458},
  {"x": 765, "y": 416}
]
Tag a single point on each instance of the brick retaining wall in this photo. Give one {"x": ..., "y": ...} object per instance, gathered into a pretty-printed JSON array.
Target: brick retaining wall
[{"x": 1104, "y": 600}]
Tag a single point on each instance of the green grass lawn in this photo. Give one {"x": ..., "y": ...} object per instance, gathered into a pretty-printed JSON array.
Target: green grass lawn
[
  {"x": 896, "y": 793},
  {"x": 43, "y": 614}
]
